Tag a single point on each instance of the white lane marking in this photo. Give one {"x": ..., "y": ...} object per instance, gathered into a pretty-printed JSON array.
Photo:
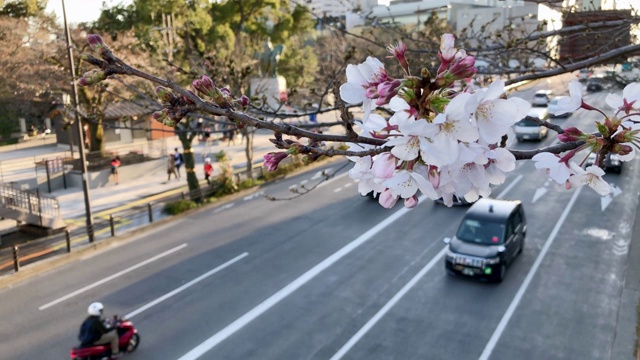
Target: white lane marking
[
  {"x": 525, "y": 284},
  {"x": 348, "y": 184},
  {"x": 223, "y": 207},
  {"x": 346, "y": 347},
  {"x": 252, "y": 314},
  {"x": 185, "y": 286},
  {"x": 109, "y": 278},
  {"x": 332, "y": 179},
  {"x": 337, "y": 189}
]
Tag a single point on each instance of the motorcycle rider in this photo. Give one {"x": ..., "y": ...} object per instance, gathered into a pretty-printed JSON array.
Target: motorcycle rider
[{"x": 94, "y": 332}]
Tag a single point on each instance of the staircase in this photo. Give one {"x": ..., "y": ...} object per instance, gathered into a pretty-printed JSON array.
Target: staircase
[{"x": 29, "y": 207}]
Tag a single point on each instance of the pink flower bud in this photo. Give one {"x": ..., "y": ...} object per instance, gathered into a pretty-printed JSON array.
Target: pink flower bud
[
  {"x": 187, "y": 100},
  {"x": 242, "y": 101},
  {"x": 95, "y": 41},
  {"x": 570, "y": 134},
  {"x": 411, "y": 202},
  {"x": 463, "y": 67},
  {"x": 384, "y": 165},
  {"x": 92, "y": 77},
  {"x": 386, "y": 199},
  {"x": 447, "y": 48},
  {"x": 621, "y": 149},
  {"x": 165, "y": 94},
  {"x": 272, "y": 159},
  {"x": 207, "y": 82}
]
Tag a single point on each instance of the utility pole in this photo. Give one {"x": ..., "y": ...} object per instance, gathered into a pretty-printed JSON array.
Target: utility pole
[{"x": 83, "y": 158}]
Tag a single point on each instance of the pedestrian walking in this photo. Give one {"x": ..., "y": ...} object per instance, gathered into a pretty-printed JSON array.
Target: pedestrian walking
[
  {"x": 171, "y": 167},
  {"x": 231, "y": 134},
  {"x": 179, "y": 160},
  {"x": 115, "y": 164},
  {"x": 208, "y": 170}
]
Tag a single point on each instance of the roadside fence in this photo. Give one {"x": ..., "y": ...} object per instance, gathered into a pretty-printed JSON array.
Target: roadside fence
[{"x": 13, "y": 257}]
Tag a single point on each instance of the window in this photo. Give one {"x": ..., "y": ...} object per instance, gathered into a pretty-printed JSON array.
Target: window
[{"x": 481, "y": 232}]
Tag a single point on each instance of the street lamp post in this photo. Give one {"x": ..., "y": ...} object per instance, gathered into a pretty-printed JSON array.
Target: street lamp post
[{"x": 83, "y": 158}]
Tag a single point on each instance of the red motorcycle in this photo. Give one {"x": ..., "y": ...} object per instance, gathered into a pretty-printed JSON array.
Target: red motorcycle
[{"x": 128, "y": 342}]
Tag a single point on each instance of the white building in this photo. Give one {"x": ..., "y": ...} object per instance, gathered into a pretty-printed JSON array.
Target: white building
[{"x": 338, "y": 8}]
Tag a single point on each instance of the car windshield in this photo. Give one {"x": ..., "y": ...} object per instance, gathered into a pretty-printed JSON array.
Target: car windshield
[
  {"x": 540, "y": 95},
  {"x": 527, "y": 123},
  {"x": 481, "y": 232}
]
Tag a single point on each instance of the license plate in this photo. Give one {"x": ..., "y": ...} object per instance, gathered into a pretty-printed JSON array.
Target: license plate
[
  {"x": 468, "y": 271},
  {"x": 526, "y": 136}
]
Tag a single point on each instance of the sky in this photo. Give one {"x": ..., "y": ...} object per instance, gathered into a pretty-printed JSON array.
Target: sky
[{"x": 80, "y": 10}]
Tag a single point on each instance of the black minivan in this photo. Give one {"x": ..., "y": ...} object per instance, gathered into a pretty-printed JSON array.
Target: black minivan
[{"x": 489, "y": 238}]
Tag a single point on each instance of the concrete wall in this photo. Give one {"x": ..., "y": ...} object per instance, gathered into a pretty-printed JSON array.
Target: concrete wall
[{"x": 102, "y": 178}]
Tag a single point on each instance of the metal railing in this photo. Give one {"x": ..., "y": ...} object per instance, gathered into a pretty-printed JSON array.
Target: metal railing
[
  {"x": 12, "y": 257},
  {"x": 30, "y": 201}
]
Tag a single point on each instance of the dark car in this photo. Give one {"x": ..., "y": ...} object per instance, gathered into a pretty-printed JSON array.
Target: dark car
[
  {"x": 489, "y": 238},
  {"x": 597, "y": 84},
  {"x": 457, "y": 201},
  {"x": 611, "y": 162}
]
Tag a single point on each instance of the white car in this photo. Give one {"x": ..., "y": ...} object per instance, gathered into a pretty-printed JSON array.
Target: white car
[
  {"x": 541, "y": 98},
  {"x": 530, "y": 130},
  {"x": 552, "y": 108}
]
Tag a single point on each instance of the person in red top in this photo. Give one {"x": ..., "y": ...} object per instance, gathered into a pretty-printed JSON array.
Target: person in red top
[
  {"x": 208, "y": 170},
  {"x": 115, "y": 164}
]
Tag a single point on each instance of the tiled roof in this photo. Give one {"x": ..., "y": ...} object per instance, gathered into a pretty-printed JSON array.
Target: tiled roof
[{"x": 117, "y": 110}]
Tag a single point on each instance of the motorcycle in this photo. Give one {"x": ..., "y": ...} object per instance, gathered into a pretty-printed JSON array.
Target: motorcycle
[{"x": 128, "y": 342}]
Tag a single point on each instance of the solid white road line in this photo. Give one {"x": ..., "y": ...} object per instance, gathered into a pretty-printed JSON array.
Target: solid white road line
[
  {"x": 508, "y": 188},
  {"x": 332, "y": 179},
  {"x": 274, "y": 299},
  {"x": 525, "y": 284},
  {"x": 89, "y": 287},
  {"x": 185, "y": 286},
  {"x": 346, "y": 347}
]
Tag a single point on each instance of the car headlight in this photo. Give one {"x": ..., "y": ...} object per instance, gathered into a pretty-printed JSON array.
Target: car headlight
[{"x": 490, "y": 261}]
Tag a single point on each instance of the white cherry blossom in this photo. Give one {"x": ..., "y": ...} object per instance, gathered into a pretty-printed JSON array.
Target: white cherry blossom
[
  {"x": 446, "y": 130},
  {"x": 558, "y": 171},
  {"x": 374, "y": 124},
  {"x": 591, "y": 176},
  {"x": 630, "y": 95},
  {"x": 494, "y": 116},
  {"x": 406, "y": 183},
  {"x": 359, "y": 79},
  {"x": 501, "y": 161},
  {"x": 571, "y": 103},
  {"x": 413, "y": 132}
]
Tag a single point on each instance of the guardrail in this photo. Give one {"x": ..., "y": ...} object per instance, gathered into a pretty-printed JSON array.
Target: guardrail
[
  {"x": 33, "y": 203},
  {"x": 12, "y": 257}
]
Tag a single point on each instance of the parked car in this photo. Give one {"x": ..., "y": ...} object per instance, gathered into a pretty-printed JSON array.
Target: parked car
[
  {"x": 490, "y": 236},
  {"x": 541, "y": 98},
  {"x": 611, "y": 162},
  {"x": 553, "y": 107},
  {"x": 526, "y": 129}
]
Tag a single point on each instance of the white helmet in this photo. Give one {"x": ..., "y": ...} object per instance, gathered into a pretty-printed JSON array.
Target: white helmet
[
  {"x": 207, "y": 160},
  {"x": 95, "y": 309}
]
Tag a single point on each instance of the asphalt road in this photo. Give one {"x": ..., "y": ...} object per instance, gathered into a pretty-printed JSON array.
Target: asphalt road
[{"x": 332, "y": 275}]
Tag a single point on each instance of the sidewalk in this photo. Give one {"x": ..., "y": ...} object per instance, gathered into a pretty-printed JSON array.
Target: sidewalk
[
  {"x": 114, "y": 196},
  {"x": 128, "y": 193}
]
